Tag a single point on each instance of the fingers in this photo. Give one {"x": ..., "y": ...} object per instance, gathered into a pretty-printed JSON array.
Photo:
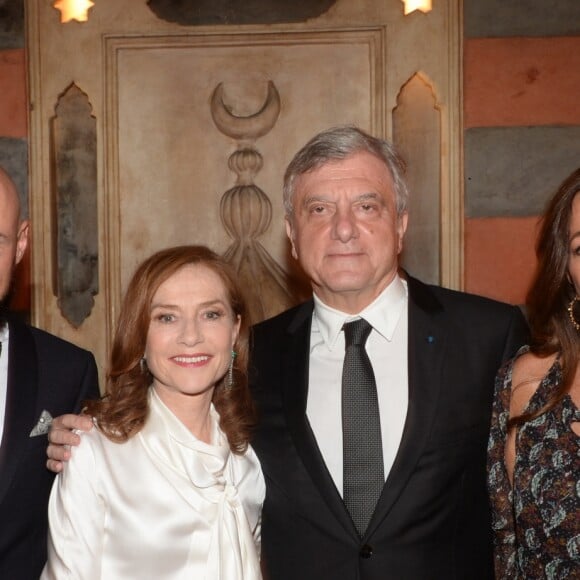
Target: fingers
[
  {"x": 55, "y": 466},
  {"x": 61, "y": 437},
  {"x": 70, "y": 421},
  {"x": 57, "y": 454}
]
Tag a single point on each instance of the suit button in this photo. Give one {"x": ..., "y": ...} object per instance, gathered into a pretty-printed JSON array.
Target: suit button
[{"x": 366, "y": 551}]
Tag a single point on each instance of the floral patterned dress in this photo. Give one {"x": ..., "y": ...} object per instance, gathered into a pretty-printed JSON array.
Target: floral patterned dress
[{"x": 536, "y": 523}]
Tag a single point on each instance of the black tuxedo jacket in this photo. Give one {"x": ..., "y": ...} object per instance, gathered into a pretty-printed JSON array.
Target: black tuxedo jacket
[
  {"x": 432, "y": 520},
  {"x": 44, "y": 373}
]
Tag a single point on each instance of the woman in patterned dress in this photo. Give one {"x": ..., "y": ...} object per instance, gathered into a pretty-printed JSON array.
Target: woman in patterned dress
[{"x": 534, "y": 448}]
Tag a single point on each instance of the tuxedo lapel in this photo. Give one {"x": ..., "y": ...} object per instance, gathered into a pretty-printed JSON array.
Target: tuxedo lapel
[
  {"x": 21, "y": 396},
  {"x": 295, "y": 392},
  {"x": 426, "y": 350}
]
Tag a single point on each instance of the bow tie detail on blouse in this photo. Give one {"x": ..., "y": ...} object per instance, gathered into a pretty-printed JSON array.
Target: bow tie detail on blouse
[{"x": 201, "y": 473}]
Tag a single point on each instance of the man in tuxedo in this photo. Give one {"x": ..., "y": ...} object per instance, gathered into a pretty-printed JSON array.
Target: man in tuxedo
[
  {"x": 374, "y": 396},
  {"x": 40, "y": 376},
  {"x": 434, "y": 355}
]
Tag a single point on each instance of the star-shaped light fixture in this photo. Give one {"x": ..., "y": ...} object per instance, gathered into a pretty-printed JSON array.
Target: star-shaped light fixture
[
  {"x": 73, "y": 10},
  {"x": 412, "y": 5}
]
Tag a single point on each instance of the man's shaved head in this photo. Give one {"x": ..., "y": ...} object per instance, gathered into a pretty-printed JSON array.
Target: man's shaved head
[{"x": 13, "y": 235}]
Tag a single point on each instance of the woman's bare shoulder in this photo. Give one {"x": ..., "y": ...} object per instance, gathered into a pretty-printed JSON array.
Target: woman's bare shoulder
[
  {"x": 529, "y": 365},
  {"x": 528, "y": 371}
]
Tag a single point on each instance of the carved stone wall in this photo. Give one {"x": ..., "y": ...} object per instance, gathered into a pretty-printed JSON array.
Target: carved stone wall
[
  {"x": 162, "y": 162},
  {"x": 75, "y": 228}
]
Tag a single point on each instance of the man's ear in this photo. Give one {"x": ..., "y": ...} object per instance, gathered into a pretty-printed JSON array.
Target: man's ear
[
  {"x": 402, "y": 228},
  {"x": 21, "y": 240},
  {"x": 290, "y": 234}
]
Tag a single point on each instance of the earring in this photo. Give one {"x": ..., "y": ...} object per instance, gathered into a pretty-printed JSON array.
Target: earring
[
  {"x": 574, "y": 311},
  {"x": 230, "y": 373},
  {"x": 143, "y": 365}
]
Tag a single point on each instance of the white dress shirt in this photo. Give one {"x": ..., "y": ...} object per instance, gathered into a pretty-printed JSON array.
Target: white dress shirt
[
  {"x": 161, "y": 505},
  {"x": 387, "y": 350},
  {"x": 4, "y": 337}
]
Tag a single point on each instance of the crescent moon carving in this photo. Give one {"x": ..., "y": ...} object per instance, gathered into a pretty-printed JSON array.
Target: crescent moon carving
[{"x": 250, "y": 127}]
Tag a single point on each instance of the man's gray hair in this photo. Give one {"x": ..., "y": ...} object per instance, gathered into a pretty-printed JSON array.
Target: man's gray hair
[{"x": 339, "y": 143}]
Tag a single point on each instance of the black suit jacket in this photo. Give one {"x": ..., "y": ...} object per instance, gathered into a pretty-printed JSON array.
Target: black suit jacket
[
  {"x": 432, "y": 520},
  {"x": 44, "y": 373}
]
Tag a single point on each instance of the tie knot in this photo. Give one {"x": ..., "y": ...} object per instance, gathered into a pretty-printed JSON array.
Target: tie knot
[{"x": 356, "y": 332}]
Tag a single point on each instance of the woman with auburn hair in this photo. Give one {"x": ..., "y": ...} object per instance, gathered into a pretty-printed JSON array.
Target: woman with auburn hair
[
  {"x": 167, "y": 485},
  {"x": 534, "y": 447}
]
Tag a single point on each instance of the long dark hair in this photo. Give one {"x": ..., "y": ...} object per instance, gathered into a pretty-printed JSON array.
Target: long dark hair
[
  {"x": 552, "y": 291},
  {"x": 122, "y": 412}
]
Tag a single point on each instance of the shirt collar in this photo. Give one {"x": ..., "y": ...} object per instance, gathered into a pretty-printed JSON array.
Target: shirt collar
[{"x": 383, "y": 314}]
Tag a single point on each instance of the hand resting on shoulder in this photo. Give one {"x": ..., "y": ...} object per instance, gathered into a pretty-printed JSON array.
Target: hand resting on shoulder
[{"x": 61, "y": 436}]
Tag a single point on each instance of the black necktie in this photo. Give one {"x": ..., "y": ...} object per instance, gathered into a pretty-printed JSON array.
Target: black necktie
[{"x": 363, "y": 469}]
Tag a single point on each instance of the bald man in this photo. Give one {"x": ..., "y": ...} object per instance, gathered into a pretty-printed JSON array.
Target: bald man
[{"x": 41, "y": 376}]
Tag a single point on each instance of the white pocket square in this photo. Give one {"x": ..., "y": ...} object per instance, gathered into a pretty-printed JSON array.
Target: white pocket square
[{"x": 43, "y": 425}]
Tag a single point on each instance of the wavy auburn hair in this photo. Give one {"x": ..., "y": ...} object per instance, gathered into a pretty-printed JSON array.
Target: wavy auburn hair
[
  {"x": 552, "y": 291},
  {"x": 123, "y": 410}
]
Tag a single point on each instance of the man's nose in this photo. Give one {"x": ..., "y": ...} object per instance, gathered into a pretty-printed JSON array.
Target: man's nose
[{"x": 344, "y": 225}]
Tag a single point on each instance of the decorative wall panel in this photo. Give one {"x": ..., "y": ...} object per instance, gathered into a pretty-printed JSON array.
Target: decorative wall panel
[
  {"x": 320, "y": 77},
  {"x": 74, "y": 146},
  {"x": 417, "y": 135}
]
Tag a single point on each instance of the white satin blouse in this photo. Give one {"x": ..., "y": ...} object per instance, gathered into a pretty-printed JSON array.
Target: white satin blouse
[{"x": 162, "y": 505}]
